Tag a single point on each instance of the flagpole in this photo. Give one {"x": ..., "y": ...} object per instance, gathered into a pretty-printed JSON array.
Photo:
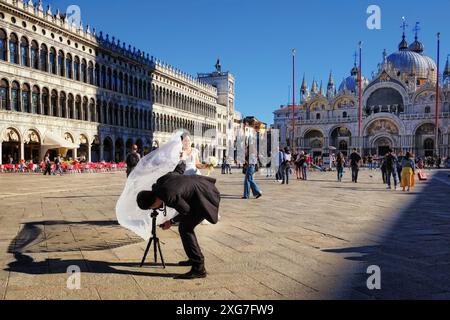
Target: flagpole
[
  {"x": 437, "y": 97},
  {"x": 293, "y": 98},
  {"x": 360, "y": 98}
]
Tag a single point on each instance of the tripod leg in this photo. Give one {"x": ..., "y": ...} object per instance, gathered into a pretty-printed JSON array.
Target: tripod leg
[
  {"x": 146, "y": 252},
  {"x": 161, "y": 255},
  {"x": 155, "y": 250}
]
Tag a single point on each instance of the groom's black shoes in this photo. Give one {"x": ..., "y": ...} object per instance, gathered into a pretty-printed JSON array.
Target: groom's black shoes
[
  {"x": 193, "y": 274},
  {"x": 187, "y": 263}
]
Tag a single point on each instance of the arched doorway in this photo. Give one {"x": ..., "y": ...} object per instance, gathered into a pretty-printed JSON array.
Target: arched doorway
[
  {"x": 314, "y": 141},
  {"x": 95, "y": 150},
  {"x": 343, "y": 147},
  {"x": 425, "y": 140},
  {"x": 107, "y": 149},
  {"x": 384, "y": 132},
  {"x": 428, "y": 147},
  {"x": 70, "y": 153},
  {"x": 340, "y": 139},
  {"x": 11, "y": 146},
  {"x": 32, "y": 146},
  {"x": 382, "y": 145},
  {"x": 4, "y": 94},
  {"x": 83, "y": 151},
  {"x": 386, "y": 100},
  {"x": 119, "y": 150}
]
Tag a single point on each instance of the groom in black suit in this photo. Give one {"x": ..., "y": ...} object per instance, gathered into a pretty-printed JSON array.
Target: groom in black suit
[{"x": 196, "y": 198}]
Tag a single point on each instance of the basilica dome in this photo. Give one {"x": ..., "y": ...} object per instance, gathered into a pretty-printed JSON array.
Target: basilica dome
[
  {"x": 351, "y": 83},
  {"x": 410, "y": 61}
]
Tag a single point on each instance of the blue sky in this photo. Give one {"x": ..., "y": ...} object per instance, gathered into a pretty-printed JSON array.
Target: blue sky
[{"x": 254, "y": 39}]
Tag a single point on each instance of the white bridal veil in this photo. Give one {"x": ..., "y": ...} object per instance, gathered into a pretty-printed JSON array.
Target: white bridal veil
[{"x": 147, "y": 172}]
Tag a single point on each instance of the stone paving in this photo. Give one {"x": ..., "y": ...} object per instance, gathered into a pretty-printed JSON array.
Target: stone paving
[{"x": 307, "y": 240}]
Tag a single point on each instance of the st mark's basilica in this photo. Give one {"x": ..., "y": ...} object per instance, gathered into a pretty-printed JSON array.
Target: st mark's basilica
[{"x": 398, "y": 108}]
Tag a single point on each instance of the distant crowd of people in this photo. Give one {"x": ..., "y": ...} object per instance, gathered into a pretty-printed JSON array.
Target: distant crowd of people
[
  {"x": 398, "y": 170},
  {"x": 60, "y": 165}
]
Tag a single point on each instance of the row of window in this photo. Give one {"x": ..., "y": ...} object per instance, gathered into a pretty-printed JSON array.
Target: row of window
[
  {"x": 31, "y": 99},
  {"x": 65, "y": 65},
  {"x": 182, "y": 102},
  {"x": 58, "y": 63},
  {"x": 318, "y": 116}
]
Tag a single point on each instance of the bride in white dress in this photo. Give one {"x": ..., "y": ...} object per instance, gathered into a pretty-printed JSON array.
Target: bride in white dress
[
  {"x": 193, "y": 164},
  {"x": 192, "y": 156}
]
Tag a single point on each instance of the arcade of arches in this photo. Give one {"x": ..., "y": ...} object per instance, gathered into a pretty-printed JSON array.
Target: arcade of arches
[
  {"x": 379, "y": 136},
  {"x": 15, "y": 147}
]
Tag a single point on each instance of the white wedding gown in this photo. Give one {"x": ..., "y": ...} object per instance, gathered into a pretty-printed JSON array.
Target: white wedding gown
[
  {"x": 191, "y": 163},
  {"x": 147, "y": 172}
]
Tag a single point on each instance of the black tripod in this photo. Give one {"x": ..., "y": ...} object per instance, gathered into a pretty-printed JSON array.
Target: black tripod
[{"x": 155, "y": 240}]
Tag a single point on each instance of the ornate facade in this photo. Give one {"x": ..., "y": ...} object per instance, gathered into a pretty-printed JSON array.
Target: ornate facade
[
  {"x": 95, "y": 92},
  {"x": 398, "y": 107}
]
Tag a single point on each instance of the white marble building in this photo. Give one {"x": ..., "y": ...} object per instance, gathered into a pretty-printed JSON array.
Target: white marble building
[
  {"x": 398, "y": 105},
  {"x": 61, "y": 81}
]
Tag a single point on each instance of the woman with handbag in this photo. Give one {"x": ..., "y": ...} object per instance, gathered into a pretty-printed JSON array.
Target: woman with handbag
[{"x": 408, "y": 172}]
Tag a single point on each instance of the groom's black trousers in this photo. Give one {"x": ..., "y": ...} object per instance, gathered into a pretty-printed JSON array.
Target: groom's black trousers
[{"x": 189, "y": 240}]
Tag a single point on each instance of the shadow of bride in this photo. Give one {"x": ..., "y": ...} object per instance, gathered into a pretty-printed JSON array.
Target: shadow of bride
[{"x": 71, "y": 236}]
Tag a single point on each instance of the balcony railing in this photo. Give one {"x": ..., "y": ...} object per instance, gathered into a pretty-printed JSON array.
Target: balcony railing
[{"x": 416, "y": 116}]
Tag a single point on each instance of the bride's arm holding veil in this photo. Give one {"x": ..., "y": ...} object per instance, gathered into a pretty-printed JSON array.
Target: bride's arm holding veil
[{"x": 199, "y": 165}]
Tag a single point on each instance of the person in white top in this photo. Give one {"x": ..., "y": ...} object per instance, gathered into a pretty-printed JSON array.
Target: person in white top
[
  {"x": 193, "y": 165},
  {"x": 192, "y": 156},
  {"x": 286, "y": 166}
]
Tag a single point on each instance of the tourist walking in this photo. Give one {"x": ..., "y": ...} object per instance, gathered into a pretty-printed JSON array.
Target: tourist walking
[
  {"x": 281, "y": 159},
  {"x": 391, "y": 169},
  {"x": 133, "y": 159},
  {"x": 302, "y": 163},
  {"x": 355, "y": 161},
  {"x": 400, "y": 158},
  {"x": 340, "y": 164},
  {"x": 408, "y": 172},
  {"x": 370, "y": 162},
  {"x": 58, "y": 164},
  {"x": 48, "y": 165},
  {"x": 224, "y": 165},
  {"x": 383, "y": 170},
  {"x": 286, "y": 166},
  {"x": 249, "y": 182},
  {"x": 306, "y": 166}
]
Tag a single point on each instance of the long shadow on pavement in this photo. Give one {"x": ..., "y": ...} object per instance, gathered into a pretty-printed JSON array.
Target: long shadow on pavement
[
  {"x": 69, "y": 236},
  {"x": 414, "y": 253},
  {"x": 26, "y": 265}
]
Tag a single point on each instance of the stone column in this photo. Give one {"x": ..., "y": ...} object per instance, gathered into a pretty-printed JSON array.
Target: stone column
[
  {"x": 75, "y": 154},
  {"x": 89, "y": 159},
  {"x": 41, "y": 103},
  {"x": 7, "y": 49},
  {"x": 22, "y": 151},
  {"x": 1, "y": 155}
]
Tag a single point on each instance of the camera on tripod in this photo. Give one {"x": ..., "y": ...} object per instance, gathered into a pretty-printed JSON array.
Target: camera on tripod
[{"x": 154, "y": 239}]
